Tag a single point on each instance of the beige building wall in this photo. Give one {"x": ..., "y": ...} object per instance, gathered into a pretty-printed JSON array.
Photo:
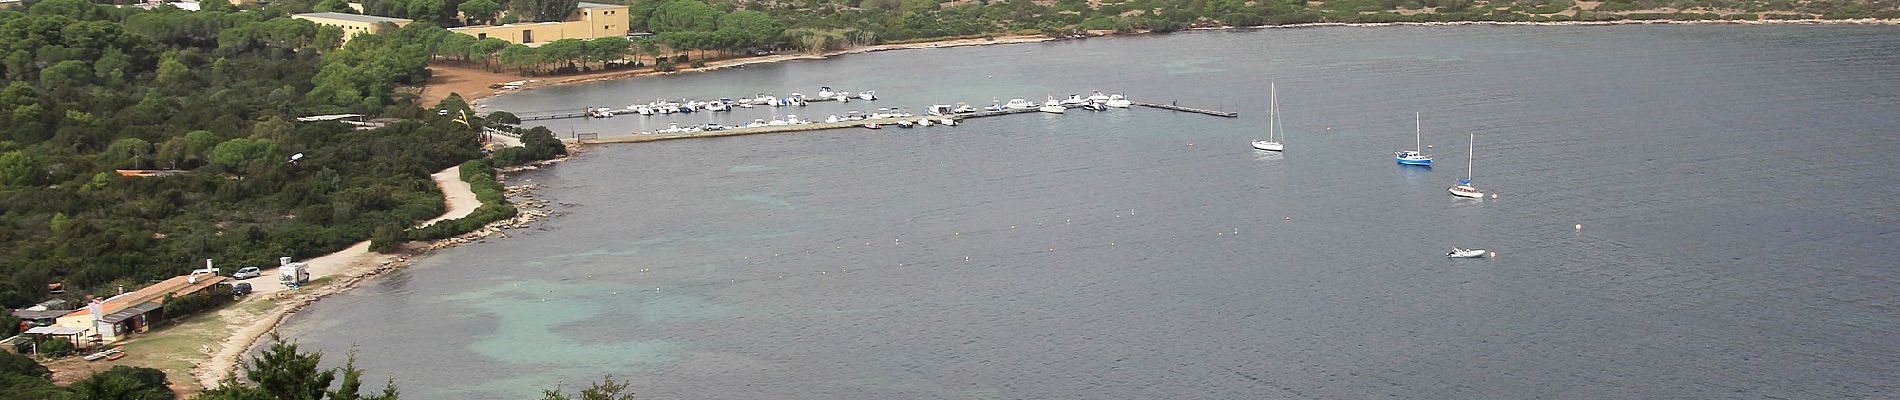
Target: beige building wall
[
  {"x": 352, "y": 24},
  {"x": 589, "y": 20}
]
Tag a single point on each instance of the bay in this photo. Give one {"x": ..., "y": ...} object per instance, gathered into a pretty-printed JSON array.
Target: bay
[{"x": 1734, "y": 186}]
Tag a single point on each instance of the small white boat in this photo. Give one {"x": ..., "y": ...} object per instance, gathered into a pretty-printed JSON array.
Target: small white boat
[
  {"x": 905, "y": 124},
  {"x": 1466, "y": 253},
  {"x": 833, "y": 119},
  {"x": 1464, "y": 188},
  {"x": 1098, "y": 97},
  {"x": 717, "y": 106},
  {"x": 947, "y": 122},
  {"x": 923, "y": 122},
  {"x": 868, "y": 95},
  {"x": 825, "y": 92},
  {"x": 1094, "y": 107},
  {"x": 1074, "y": 100},
  {"x": 1118, "y": 101},
  {"x": 1019, "y": 104},
  {"x": 1273, "y": 120},
  {"x": 963, "y": 108}
]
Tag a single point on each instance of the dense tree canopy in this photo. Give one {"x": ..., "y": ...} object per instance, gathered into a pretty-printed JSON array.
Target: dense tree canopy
[{"x": 89, "y": 88}]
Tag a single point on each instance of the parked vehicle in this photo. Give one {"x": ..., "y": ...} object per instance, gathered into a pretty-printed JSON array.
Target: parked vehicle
[
  {"x": 247, "y": 273},
  {"x": 240, "y": 289}
]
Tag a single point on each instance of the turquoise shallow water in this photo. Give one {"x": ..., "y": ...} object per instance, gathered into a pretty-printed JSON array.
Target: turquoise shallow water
[{"x": 1734, "y": 183}]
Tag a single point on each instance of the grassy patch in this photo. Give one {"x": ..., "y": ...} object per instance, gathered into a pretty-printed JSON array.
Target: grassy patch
[{"x": 178, "y": 346}]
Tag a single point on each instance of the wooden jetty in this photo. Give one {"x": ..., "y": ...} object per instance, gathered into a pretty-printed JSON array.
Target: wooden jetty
[
  {"x": 1174, "y": 107},
  {"x": 545, "y": 115}
]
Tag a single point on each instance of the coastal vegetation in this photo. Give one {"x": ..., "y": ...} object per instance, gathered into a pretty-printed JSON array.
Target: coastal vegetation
[
  {"x": 22, "y": 378},
  {"x": 206, "y": 102}
]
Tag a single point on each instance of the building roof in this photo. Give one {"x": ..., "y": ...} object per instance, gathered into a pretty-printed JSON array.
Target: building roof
[
  {"x": 331, "y": 117},
  {"x": 351, "y": 17},
  {"x": 177, "y": 286},
  {"x": 56, "y": 330},
  {"x": 129, "y": 312},
  {"x": 38, "y": 313},
  {"x": 597, "y": 5}
]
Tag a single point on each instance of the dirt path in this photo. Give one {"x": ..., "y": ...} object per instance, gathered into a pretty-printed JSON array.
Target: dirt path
[{"x": 349, "y": 266}]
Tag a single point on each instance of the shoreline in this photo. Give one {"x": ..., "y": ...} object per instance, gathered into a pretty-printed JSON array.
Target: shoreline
[
  {"x": 1016, "y": 39},
  {"x": 353, "y": 269}
]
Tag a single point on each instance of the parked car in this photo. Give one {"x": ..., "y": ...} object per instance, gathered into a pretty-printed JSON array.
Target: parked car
[
  {"x": 247, "y": 273},
  {"x": 240, "y": 289}
]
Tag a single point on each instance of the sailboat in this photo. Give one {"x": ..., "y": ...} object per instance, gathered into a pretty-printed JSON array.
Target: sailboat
[
  {"x": 1464, "y": 189},
  {"x": 1415, "y": 157},
  {"x": 1273, "y": 119}
]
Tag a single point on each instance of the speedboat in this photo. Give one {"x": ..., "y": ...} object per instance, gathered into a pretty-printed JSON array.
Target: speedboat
[
  {"x": 1466, "y": 253},
  {"x": 1074, "y": 100},
  {"x": 1118, "y": 101},
  {"x": 1094, "y": 107},
  {"x": 948, "y": 122},
  {"x": 923, "y": 122},
  {"x": 963, "y": 108},
  {"x": 994, "y": 107},
  {"x": 825, "y": 92},
  {"x": 1098, "y": 97},
  {"x": 1019, "y": 104},
  {"x": 716, "y": 106},
  {"x": 868, "y": 95},
  {"x": 872, "y": 125},
  {"x": 905, "y": 124}
]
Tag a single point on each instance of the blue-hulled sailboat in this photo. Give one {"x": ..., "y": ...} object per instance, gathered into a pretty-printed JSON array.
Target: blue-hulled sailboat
[{"x": 1417, "y": 156}]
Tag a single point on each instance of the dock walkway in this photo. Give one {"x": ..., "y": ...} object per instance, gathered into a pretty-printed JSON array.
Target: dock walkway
[{"x": 1174, "y": 107}]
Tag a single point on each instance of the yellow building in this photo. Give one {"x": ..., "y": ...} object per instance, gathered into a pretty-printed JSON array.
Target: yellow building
[
  {"x": 354, "y": 24},
  {"x": 589, "y": 20}
]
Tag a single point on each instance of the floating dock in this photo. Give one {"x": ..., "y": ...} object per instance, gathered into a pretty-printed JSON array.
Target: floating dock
[
  {"x": 1174, "y": 107},
  {"x": 887, "y": 123}
]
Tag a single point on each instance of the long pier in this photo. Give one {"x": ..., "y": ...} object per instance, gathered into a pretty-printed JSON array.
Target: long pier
[
  {"x": 545, "y": 115},
  {"x": 1175, "y": 107},
  {"x": 816, "y": 126}
]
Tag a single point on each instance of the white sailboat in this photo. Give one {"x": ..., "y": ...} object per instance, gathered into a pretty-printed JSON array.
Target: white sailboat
[
  {"x": 1273, "y": 120},
  {"x": 1464, "y": 188},
  {"x": 1417, "y": 156}
]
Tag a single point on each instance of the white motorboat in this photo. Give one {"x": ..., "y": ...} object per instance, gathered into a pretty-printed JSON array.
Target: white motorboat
[
  {"x": 1118, "y": 101},
  {"x": 1098, "y": 97},
  {"x": 868, "y": 95},
  {"x": 1052, "y": 106},
  {"x": 1464, "y": 188},
  {"x": 717, "y": 106},
  {"x": 832, "y": 119},
  {"x": 1019, "y": 104},
  {"x": 825, "y": 92},
  {"x": 948, "y": 122},
  {"x": 905, "y": 124},
  {"x": 1466, "y": 253},
  {"x": 963, "y": 108},
  {"x": 1273, "y": 121},
  {"x": 939, "y": 109},
  {"x": 1094, "y": 107},
  {"x": 923, "y": 122},
  {"x": 1074, "y": 100}
]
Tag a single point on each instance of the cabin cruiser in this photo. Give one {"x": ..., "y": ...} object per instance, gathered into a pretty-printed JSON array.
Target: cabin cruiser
[
  {"x": 948, "y": 122},
  {"x": 1118, "y": 101},
  {"x": 1098, "y": 97},
  {"x": 1052, "y": 106},
  {"x": 599, "y": 112},
  {"x": 1073, "y": 100},
  {"x": 940, "y": 109},
  {"x": 1094, "y": 107},
  {"x": 1019, "y": 104},
  {"x": 717, "y": 105},
  {"x": 923, "y": 122}
]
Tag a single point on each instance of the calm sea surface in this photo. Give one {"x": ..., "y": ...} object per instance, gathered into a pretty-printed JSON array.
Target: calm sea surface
[{"x": 1738, "y": 190}]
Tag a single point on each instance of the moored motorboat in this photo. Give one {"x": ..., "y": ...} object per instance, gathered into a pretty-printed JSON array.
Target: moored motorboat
[
  {"x": 1052, "y": 106},
  {"x": 1098, "y": 97},
  {"x": 872, "y": 125},
  {"x": 1019, "y": 104},
  {"x": 905, "y": 124},
  {"x": 867, "y": 95},
  {"x": 1074, "y": 100},
  {"x": 1118, "y": 101},
  {"x": 825, "y": 92},
  {"x": 1466, "y": 253},
  {"x": 963, "y": 108}
]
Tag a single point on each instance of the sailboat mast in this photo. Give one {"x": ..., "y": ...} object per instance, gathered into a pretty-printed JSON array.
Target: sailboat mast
[
  {"x": 1273, "y": 108},
  {"x": 1470, "y": 151},
  {"x": 1418, "y": 133}
]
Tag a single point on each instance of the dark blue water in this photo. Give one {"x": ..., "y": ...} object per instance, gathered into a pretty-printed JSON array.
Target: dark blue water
[{"x": 1735, "y": 185}]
